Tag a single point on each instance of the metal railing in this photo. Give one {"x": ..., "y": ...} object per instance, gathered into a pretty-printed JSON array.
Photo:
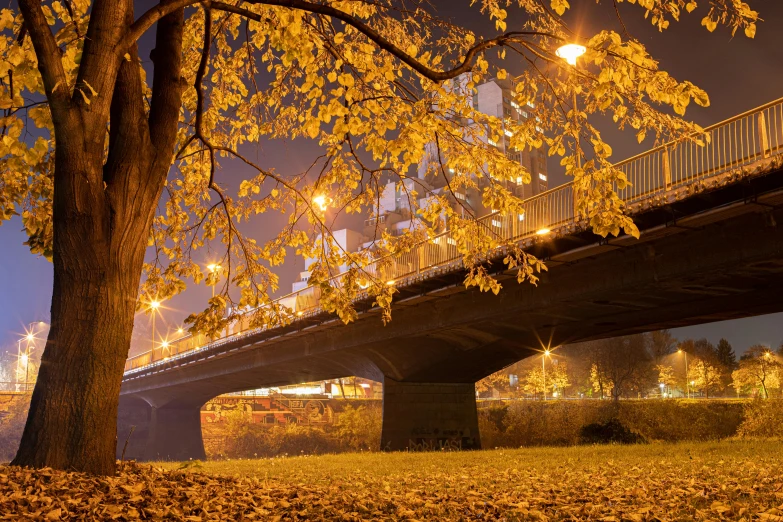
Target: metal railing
[{"x": 733, "y": 143}]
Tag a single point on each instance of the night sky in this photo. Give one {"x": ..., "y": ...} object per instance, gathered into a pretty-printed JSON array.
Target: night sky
[{"x": 739, "y": 74}]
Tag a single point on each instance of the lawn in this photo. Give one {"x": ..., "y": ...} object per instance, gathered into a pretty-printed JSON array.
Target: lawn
[{"x": 704, "y": 481}]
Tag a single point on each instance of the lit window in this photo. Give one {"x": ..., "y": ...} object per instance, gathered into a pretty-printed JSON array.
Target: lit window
[
  {"x": 538, "y": 119},
  {"x": 459, "y": 195},
  {"x": 531, "y": 105},
  {"x": 521, "y": 217},
  {"x": 508, "y": 133},
  {"x": 524, "y": 114},
  {"x": 496, "y": 223},
  {"x": 519, "y": 180},
  {"x": 515, "y": 105},
  {"x": 451, "y": 170},
  {"x": 539, "y": 129},
  {"x": 542, "y": 177},
  {"x": 451, "y": 241},
  {"x": 492, "y": 142}
]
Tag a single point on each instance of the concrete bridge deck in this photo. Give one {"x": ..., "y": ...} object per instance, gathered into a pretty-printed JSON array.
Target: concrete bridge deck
[{"x": 711, "y": 249}]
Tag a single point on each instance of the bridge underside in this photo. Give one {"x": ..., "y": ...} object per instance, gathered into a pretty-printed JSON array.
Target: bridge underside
[{"x": 715, "y": 256}]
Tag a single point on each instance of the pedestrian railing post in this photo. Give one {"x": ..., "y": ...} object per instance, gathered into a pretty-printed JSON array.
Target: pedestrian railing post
[{"x": 763, "y": 137}]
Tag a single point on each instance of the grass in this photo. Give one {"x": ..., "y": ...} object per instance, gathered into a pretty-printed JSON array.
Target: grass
[
  {"x": 688, "y": 457},
  {"x": 684, "y": 481}
]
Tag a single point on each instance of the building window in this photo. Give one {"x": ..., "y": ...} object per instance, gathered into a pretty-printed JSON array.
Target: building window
[
  {"x": 496, "y": 223},
  {"x": 460, "y": 195},
  {"x": 451, "y": 241},
  {"x": 508, "y": 133},
  {"x": 492, "y": 142},
  {"x": 519, "y": 180},
  {"x": 541, "y": 176}
]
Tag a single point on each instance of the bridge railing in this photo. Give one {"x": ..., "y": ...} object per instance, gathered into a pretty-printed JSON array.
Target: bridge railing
[{"x": 733, "y": 143}]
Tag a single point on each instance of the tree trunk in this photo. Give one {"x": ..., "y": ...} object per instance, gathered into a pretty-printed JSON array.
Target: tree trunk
[
  {"x": 98, "y": 254},
  {"x": 72, "y": 422}
]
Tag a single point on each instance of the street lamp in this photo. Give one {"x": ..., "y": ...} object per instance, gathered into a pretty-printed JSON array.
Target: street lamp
[
  {"x": 154, "y": 305},
  {"x": 213, "y": 268},
  {"x": 543, "y": 368},
  {"x": 570, "y": 53},
  {"x": 680, "y": 350},
  {"x": 322, "y": 202}
]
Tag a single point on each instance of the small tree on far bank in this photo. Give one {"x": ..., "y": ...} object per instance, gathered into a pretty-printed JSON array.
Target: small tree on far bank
[
  {"x": 705, "y": 376},
  {"x": 759, "y": 368}
]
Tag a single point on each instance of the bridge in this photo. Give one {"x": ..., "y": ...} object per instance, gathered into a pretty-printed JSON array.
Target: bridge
[{"x": 710, "y": 249}]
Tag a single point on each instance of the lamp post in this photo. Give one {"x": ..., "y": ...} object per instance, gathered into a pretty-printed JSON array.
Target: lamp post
[
  {"x": 570, "y": 53},
  {"x": 213, "y": 268},
  {"x": 680, "y": 350},
  {"x": 154, "y": 305},
  {"x": 543, "y": 369}
]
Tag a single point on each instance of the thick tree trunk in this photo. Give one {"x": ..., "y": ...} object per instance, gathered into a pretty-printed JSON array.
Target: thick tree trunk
[{"x": 72, "y": 422}]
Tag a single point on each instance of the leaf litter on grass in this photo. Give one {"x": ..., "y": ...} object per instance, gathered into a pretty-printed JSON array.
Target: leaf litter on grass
[{"x": 734, "y": 488}]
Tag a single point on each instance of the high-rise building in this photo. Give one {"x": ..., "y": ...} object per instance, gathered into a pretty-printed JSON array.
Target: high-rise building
[
  {"x": 395, "y": 215},
  {"x": 497, "y": 98}
]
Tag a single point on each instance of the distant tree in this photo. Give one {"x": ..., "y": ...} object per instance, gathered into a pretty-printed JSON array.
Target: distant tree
[
  {"x": 600, "y": 382},
  {"x": 557, "y": 379},
  {"x": 496, "y": 381},
  {"x": 759, "y": 367},
  {"x": 705, "y": 376},
  {"x": 624, "y": 361},
  {"x": 534, "y": 381},
  {"x": 662, "y": 343},
  {"x": 725, "y": 354},
  {"x": 666, "y": 375}
]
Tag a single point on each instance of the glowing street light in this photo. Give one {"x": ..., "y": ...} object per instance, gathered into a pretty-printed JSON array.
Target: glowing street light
[
  {"x": 322, "y": 202},
  {"x": 570, "y": 52},
  {"x": 154, "y": 305},
  {"x": 543, "y": 368},
  {"x": 214, "y": 268}
]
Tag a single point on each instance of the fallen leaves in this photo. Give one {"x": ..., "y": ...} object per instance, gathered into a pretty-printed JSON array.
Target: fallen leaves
[{"x": 718, "y": 482}]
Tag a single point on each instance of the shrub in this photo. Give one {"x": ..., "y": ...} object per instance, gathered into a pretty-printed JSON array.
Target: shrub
[
  {"x": 561, "y": 423},
  {"x": 608, "y": 432},
  {"x": 359, "y": 429},
  {"x": 762, "y": 418}
]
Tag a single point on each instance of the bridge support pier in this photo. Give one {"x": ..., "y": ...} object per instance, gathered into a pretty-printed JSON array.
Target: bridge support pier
[
  {"x": 175, "y": 434},
  {"x": 429, "y": 416}
]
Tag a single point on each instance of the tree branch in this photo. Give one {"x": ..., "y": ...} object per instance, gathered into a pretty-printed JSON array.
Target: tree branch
[
  {"x": 157, "y": 12},
  {"x": 48, "y": 53}
]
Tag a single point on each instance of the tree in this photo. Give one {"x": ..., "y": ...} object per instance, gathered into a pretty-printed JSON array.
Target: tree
[
  {"x": 88, "y": 150},
  {"x": 662, "y": 343},
  {"x": 758, "y": 367},
  {"x": 666, "y": 375},
  {"x": 601, "y": 383},
  {"x": 534, "y": 381},
  {"x": 623, "y": 361},
  {"x": 704, "y": 376},
  {"x": 496, "y": 381},
  {"x": 557, "y": 378},
  {"x": 725, "y": 355}
]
